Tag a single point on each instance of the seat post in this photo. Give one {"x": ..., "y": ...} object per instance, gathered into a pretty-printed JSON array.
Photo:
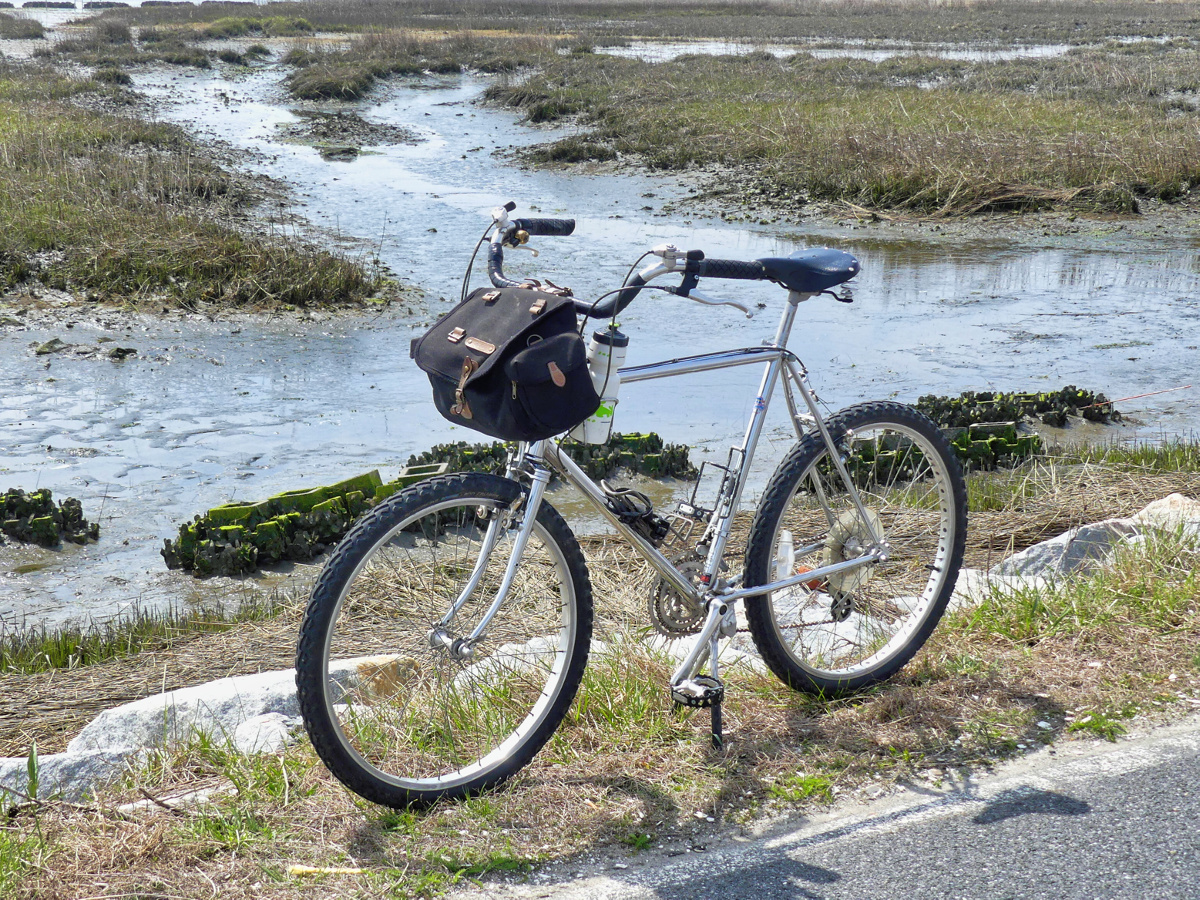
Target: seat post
[{"x": 795, "y": 298}]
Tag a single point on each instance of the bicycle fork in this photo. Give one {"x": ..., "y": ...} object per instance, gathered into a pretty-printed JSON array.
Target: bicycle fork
[{"x": 528, "y": 506}]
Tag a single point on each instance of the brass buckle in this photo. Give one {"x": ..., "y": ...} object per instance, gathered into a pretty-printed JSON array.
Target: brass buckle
[{"x": 461, "y": 407}]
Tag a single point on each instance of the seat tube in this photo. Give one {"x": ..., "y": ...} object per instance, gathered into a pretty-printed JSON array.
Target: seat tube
[
  {"x": 795, "y": 298},
  {"x": 729, "y": 506},
  {"x": 754, "y": 431}
]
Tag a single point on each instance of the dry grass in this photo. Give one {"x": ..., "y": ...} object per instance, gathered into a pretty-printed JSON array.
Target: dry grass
[
  {"x": 51, "y": 707},
  {"x": 1013, "y": 510},
  {"x": 627, "y": 771}
]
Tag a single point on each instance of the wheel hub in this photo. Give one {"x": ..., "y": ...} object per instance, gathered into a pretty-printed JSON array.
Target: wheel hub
[{"x": 849, "y": 538}]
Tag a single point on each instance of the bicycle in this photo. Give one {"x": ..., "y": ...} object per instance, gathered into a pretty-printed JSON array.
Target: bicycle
[{"x": 448, "y": 633}]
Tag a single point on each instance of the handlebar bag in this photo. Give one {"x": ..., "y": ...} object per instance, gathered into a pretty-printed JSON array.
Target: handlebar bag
[{"x": 509, "y": 362}]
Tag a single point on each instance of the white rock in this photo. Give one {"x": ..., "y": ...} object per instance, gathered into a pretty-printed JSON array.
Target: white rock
[
  {"x": 268, "y": 733},
  {"x": 216, "y": 709},
  {"x": 65, "y": 776},
  {"x": 1175, "y": 512},
  {"x": 1075, "y": 551}
]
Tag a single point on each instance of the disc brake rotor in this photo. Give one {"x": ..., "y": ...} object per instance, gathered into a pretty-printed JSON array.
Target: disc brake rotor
[{"x": 849, "y": 538}]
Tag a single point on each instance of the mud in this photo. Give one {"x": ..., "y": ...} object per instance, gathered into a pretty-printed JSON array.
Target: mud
[{"x": 325, "y": 130}]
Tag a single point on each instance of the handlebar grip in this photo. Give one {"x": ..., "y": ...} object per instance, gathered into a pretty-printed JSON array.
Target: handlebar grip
[
  {"x": 546, "y": 227},
  {"x": 730, "y": 268}
]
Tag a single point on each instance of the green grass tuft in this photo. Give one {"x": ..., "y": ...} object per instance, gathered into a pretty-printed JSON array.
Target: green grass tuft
[
  {"x": 72, "y": 646},
  {"x": 799, "y": 788},
  {"x": 1099, "y": 724}
]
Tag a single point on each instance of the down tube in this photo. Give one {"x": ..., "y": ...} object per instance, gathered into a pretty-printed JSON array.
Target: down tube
[{"x": 565, "y": 466}]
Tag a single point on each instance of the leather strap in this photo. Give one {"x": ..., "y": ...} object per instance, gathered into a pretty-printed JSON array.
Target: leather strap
[{"x": 461, "y": 407}]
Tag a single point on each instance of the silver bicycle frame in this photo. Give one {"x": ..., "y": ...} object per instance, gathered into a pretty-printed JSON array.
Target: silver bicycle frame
[{"x": 713, "y": 593}]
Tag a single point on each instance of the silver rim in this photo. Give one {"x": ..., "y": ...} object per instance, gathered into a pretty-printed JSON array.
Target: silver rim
[
  {"x": 410, "y": 713},
  {"x": 848, "y": 626}
]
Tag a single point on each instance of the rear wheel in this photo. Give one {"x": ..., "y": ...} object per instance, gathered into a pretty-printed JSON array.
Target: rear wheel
[
  {"x": 398, "y": 711},
  {"x": 857, "y": 627}
]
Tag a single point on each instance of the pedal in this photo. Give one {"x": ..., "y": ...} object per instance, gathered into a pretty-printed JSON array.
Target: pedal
[{"x": 700, "y": 692}]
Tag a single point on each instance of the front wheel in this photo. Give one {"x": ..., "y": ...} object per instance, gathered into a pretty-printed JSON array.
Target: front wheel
[
  {"x": 400, "y": 708},
  {"x": 857, "y": 627}
]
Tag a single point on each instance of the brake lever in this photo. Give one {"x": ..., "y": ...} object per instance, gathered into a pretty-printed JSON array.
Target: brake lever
[
  {"x": 692, "y": 294},
  {"x": 709, "y": 301}
]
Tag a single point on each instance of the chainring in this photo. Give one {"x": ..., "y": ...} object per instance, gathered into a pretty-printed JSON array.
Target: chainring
[{"x": 671, "y": 613}]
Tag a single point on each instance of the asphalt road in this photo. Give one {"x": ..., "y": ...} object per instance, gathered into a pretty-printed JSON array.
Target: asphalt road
[{"x": 1088, "y": 820}]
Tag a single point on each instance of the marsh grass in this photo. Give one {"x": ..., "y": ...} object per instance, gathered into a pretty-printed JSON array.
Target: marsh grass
[
  {"x": 16, "y": 28},
  {"x": 348, "y": 73},
  {"x": 1171, "y": 455},
  {"x": 926, "y": 135},
  {"x": 785, "y": 21},
  {"x": 1102, "y": 128},
  {"x": 265, "y": 26},
  {"x": 131, "y": 211},
  {"x": 111, "y": 42}
]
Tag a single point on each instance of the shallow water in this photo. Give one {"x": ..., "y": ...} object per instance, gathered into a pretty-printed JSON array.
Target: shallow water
[
  {"x": 241, "y": 409},
  {"x": 663, "y": 51}
]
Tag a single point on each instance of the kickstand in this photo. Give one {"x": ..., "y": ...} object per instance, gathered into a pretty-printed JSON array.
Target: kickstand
[{"x": 718, "y": 739}]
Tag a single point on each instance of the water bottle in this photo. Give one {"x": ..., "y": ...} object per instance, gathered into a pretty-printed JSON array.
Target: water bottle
[{"x": 605, "y": 355}]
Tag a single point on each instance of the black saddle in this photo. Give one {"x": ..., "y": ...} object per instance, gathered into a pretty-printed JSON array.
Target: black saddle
[{"x": 810, "y": 271}]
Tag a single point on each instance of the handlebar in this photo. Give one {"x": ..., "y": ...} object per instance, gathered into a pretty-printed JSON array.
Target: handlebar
[
  {"x": 691, "y": 265},
  {"x": 545, "y": 227},
  {"x": 729, "y": 268}
]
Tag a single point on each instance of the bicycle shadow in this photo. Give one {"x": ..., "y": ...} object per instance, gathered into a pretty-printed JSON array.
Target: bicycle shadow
[{"x": 892, "y": 731}]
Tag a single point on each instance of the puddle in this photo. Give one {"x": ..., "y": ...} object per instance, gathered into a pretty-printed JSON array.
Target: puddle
[
  {"x": 660, "y": 51},
  {"x": 209, "y": 412}
]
